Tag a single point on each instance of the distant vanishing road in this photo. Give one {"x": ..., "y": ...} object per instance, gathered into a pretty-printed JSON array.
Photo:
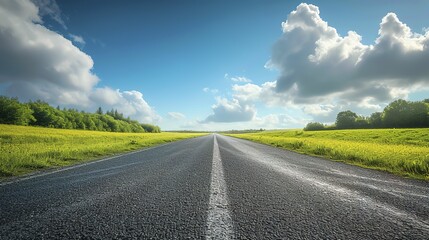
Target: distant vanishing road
[{"x": 214, "y": 187}]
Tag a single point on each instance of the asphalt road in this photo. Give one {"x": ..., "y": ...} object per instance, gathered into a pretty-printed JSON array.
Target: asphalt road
[{"x": 214, "y": 188}]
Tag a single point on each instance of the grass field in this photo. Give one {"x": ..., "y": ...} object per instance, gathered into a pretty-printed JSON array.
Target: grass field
[
  {"x": 400, "y": 151},
  {"x": 26, "y": 149}
]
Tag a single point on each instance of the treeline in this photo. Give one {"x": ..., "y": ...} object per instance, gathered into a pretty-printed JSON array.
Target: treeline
[
  {"x": 398, "y": 114},
  {"x": 40, "y": 113}
]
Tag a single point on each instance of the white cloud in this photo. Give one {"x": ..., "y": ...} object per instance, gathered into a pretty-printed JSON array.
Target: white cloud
[
  {"x": 238, "y": 79},
  {"x": 130, "y": 103},
  {"x": 241, "y": 79},
  {"x": 322, "y": 72},
  {"x": 247, "y": 92},
  {"x": 370, "y": 103},
  {"x": 231, "y": 111},
  {"x": 317, "y": 64},
  {"x": 265, "y": 93},
  {"x": 176, "y": 116},
  {"x": 77, "y": 39},
  {"x": 319, "y": 109},
  {"x": 37, "y": 63}
]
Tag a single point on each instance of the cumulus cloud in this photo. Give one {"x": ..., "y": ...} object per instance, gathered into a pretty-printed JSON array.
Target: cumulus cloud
[
  {"x": 317, "y": 64},
  {"x": 231, "y": 111},
  {"x": 247, "y": 92},
  {"x": 130, "y": 103},
  {"x": 176, "y": 115},
  {"x": 35, "y": 58},
  {"x": 265, "y": 93},
  {"x": 322, "y": 72},
  {"x": 37, "y": 63}
]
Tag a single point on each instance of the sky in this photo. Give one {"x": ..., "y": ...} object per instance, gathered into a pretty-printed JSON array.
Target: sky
[{"x": 216, "y": 65}]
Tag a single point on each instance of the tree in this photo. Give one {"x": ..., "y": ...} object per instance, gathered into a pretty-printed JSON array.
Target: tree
[
  {"x": 346, "y": 120},
  {"x": 375, "y": 120},
  {"x": 99, "y": 111},
  {"x": 151, "y": 128},
  {"x": 418, "y": 114},
  {"x": 402, "y": 114},
  {"x": 13, "y": 112},
  {"x": 314, "y": 126},
  {"x": 40, "y": 113},
  {"x": 361, "y": 122},
  {"x": 394, "y": 113}
]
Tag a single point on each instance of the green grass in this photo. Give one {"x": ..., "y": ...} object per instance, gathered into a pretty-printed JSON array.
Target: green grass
[
  {"x": 400, "y": 151},
  {"x": 26, "y": 149}
]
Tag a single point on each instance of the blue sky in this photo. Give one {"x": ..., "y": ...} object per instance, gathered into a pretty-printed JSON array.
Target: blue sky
[{"x": 202, "y": 65}]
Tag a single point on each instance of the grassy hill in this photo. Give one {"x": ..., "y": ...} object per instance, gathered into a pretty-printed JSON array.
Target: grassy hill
[
  {"x": 399, "y": 151},
  {"x": 26, "y": 149}
]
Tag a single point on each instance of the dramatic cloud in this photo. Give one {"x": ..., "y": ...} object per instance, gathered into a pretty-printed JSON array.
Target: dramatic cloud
[
  {"x": 317, "y": 64},
  {"x": 37, "y": 63},
  {"x": 322, "y": 73},
  {"x": 231, "y": 111},
  {"x": 176, "y": 116}
]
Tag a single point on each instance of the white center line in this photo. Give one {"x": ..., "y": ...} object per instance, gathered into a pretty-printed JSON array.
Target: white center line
[{"x": 219, "y": 222}]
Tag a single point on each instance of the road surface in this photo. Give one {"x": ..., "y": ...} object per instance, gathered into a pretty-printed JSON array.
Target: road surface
[{"x": 214, "y": 187}]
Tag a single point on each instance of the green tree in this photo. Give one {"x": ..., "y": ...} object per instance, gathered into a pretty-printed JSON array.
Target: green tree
[
  {"x": 419, "y": 114},
  {"x": 40, "y": 113},
  {"x": 401, "y": 114},
  {"x": 314, "y": 126},
  {"x": 361, "y": 122},
  {"x": 99, "y": 111},
  {"x": 43, "y": 113},
  {"x": 14, "y": 112},
  {"x": 394, "y": 113},
  {"x": 346, "y": 120},
  {"x": 150, "y": 128},
  {"x": 376, "y": 120}
]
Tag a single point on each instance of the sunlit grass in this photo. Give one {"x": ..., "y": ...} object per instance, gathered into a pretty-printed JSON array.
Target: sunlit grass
[
  {"x": 26, "y": 149},
  {"x": 399, "y": 151}
]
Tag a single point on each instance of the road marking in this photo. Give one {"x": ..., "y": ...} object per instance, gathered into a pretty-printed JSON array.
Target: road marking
[{"x": 219, "y": 222}]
